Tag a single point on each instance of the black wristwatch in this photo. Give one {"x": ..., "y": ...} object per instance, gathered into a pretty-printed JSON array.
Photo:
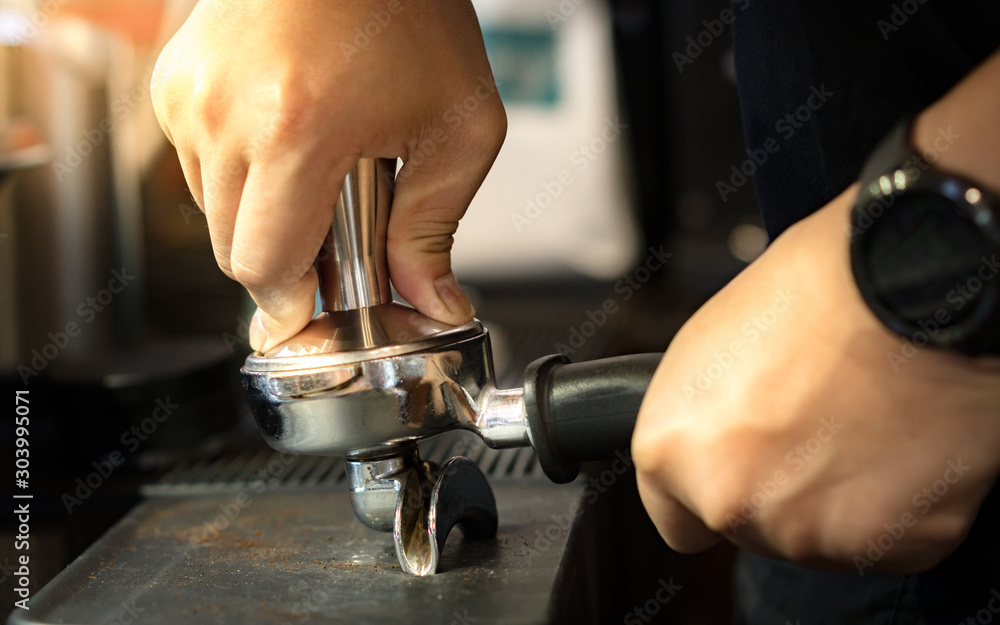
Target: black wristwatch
[{"x": 925, "y": 246}]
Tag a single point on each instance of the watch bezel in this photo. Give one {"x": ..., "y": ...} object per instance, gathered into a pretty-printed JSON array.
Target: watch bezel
[{"x": 968, "y": 200}]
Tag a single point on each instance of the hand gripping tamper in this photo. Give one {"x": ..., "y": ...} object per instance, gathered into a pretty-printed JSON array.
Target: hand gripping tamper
[{"x": 368, "y": 378}]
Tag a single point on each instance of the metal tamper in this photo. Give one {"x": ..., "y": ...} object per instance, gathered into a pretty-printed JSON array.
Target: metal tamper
[{"x": 368, "y": 378}]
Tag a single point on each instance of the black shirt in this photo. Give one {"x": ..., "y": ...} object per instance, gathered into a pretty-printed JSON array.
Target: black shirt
[{"x": 875, "y": 60}]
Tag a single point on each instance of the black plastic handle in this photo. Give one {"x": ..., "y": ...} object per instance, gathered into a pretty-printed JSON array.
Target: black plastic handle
[{"x": 583, "y": 411}]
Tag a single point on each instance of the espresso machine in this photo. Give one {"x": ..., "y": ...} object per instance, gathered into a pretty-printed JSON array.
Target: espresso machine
[{"x": 414, "y": 408}]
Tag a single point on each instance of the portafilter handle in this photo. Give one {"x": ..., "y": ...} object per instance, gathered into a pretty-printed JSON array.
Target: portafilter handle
[{"x": 351, "y": 264}]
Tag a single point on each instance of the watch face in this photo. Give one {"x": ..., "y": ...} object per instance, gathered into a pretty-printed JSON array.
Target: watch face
[{"x": 924, "y": 258}]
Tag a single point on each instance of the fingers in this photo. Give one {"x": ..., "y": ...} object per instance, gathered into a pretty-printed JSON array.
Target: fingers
[
  {"x": 425, "y": 213},
  {"x": 191, "y": 166},
  {"x": 281, "y": 313},
  {"x": 665, "y": 472},
  {"x": 679, "y": 527},
  {"x": 223, "y": 179},
  {"x": 432, "y": 194},
  {"x": 685, "y": 532},
  {"x": 267, "y": 132},
  {"x": 284, "y": 215}
]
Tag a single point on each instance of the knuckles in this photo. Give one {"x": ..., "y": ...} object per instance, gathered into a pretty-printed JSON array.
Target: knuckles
[
  {"x": 165, "y": 90},
  {"x": 277, "y": 108},
  {"x": 291, "y": 114},
  {"x": 485, "y": 128},
  {"x": 254, "y": 274}
]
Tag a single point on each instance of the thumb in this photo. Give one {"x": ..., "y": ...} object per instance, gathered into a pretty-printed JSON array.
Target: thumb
[{"x": 429, "y": 201}]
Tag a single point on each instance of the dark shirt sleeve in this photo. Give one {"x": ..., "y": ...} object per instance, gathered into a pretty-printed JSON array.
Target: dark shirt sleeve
[{"x": 824, "y": 81}]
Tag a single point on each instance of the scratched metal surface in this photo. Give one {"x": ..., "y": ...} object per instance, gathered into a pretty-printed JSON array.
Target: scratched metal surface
[{"x": 302, "y": 557}]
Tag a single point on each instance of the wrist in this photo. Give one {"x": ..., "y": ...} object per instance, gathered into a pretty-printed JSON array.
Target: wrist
[{"x": 961, "y": 131}]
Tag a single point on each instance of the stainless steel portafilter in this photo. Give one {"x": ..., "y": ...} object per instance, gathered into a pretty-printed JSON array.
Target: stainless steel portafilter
[{"x": 369, "y": 377}]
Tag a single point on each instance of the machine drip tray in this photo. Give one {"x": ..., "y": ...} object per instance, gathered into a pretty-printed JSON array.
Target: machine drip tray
[
  {"x": 302, "y": 556},
  {"x": 258, "y": 537}
]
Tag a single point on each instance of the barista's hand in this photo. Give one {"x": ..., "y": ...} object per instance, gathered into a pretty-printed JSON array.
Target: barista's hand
[
  {"x": 270, "y": 104},
  {"x": 787, "y": 419}
]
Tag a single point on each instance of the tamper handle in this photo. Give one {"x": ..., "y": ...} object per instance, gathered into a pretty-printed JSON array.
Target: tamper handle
[{"x": 352, "y": 265}]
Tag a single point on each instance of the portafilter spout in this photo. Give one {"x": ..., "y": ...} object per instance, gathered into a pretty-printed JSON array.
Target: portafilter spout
[{"x": 369, "y": 377}]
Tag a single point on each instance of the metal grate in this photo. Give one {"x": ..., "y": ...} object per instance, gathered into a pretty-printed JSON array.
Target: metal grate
[{"x": 250, "y": 460}]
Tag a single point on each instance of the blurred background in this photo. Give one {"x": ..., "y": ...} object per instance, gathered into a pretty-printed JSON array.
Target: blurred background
[{"x": 623, "y": 116}]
